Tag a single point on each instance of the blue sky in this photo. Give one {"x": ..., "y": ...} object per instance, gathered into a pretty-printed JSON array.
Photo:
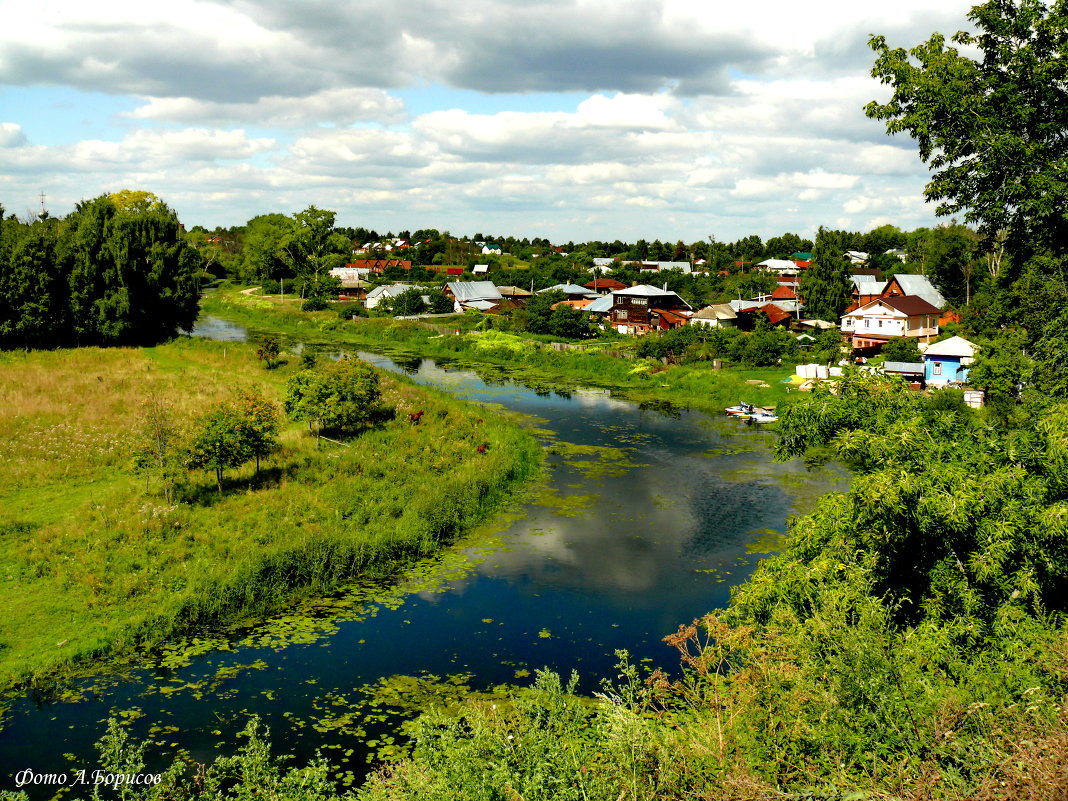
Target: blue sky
[{"x": 573, "y": 120}]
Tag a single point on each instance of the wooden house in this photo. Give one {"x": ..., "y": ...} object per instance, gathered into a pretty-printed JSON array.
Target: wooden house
[{"x": 874, "y": 324}]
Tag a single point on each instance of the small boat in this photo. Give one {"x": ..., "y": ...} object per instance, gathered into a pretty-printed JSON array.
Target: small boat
[
  {"x": 763, "y": 416},
  {"x": 742, "y": 410}
]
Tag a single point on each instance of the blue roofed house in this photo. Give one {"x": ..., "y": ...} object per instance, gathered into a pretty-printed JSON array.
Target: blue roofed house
[{"x": 947, "y": 362}]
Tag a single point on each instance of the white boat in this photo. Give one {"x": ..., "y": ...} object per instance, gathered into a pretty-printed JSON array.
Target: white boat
[
  {"x": 742, "y": 410},
  {"x": 762, "y": 416}
]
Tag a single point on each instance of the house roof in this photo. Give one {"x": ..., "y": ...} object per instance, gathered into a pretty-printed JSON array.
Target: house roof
[
  {"x": 908, "y": 368},
  {"x": 672, "y": 317},
  {"x": 778, "y": 265},
  {"x": 605, "y": 283},
  {"x": 481, "y": 305},
  {"x": 954, "y": 346},
  {"x": 646, "y": 291},
  {"x": 918, "y": 285},
  {"x": 514, "y": 292},
  {"x": 909, "y": 304},
  {"x": 480, "y": 268},
  {"x": 468, "y": 291},
  {"x": 784, "y": 293},
  {"x": 580, "y": 303},
  {"x": 390, "y": 291},
  {"x": 602, "y": 304},
  {"x": 774, "y": 313},
  {"x": 570, "y": 289},
  {"x": 718, "y": 311},
  {"x": 665, "y": 265}
]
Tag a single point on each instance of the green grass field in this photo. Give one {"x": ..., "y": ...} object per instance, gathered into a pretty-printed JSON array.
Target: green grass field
[{"x": 95, "y": 562}]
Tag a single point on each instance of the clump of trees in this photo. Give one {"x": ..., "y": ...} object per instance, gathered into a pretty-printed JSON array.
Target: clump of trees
[
  {"x": 342, "y": 397},
  {"x": 229, "y": 434},
  {"x": 116, "y": 271}
]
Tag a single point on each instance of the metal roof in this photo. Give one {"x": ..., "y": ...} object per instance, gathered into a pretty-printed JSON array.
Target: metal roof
[{"x": 467, "y": 291}]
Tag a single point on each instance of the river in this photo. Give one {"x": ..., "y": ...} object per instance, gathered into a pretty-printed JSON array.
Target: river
[{"x": 647, "y": 517}]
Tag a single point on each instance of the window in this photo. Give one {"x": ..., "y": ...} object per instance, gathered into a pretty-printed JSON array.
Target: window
[
  {"x": 621, "y": 314},
  {"x": 867, "y": 323},
  {"x": 937, "y": 369},
  {"x": 639, "y": 301}
]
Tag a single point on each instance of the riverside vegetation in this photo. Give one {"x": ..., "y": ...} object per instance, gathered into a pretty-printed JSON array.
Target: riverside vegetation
[
  {"x": 525, "y": 358},
  {"x": 97, "y": 561}
]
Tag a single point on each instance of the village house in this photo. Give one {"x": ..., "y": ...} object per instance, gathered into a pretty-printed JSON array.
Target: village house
[
  {"x": 479, "y": 295},
  {"x": 778, "y": 266},
  {"x": 604, "y": 286},
  {"x": 572, "y": 291},
  {"x": 875, "y": 323},
  {"x": 719, "y": 315},
  {"x": 643, "y": 308},
  {"x": 383, "y": 293},
  {"x": 948, "y": 362}
]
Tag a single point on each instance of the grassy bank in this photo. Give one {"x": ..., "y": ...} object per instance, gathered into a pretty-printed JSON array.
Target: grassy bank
[
  {"x": 698, "y": 386},
  {"x": 96, "y": 563}
]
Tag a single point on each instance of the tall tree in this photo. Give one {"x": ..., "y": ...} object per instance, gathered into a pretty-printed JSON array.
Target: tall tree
[
  {"x": 991, "y": 128},
  {"x": 825, "y": 285},
  {"x": 313, "y": 247},
  {"x": 952, "y": 252}
]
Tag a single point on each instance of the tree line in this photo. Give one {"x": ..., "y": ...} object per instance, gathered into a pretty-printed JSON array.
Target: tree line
[{"x": 118, "y": 270}]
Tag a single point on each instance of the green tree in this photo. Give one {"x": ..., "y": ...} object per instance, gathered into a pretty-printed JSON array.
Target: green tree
[
  {"x": 133, "y": 277},
  {"x": 825, "y": 285},
  {"x": 440, "y": 303},
  {"x": 262, "y": 255},
  {"x": 312, "y": 248},
  {"x": 268, "y": 352},
  {"x": 991, "y": 128},
  {"x": 220, "y": 441},
  {"x": 952, "y": 251},
  {"x": 158, "y": 448},
  {"x": 408, "y": 302},
  {"x": 342, "y": 396},
  {"x": 33, "y": 293},
  {"x": 259, "y": 421},
  {"x": 902, "y": 349}
]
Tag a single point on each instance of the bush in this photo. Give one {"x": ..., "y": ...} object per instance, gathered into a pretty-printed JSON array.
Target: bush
[
  {"x": 346, "y": 311},
  {"x": 313, "y": 304}
]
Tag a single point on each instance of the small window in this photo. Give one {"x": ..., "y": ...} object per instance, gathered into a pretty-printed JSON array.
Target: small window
[
  {"x": 621, "y": 314},
  {"x": 639, "y": 301},
  {"x": 937, "y": 369}
]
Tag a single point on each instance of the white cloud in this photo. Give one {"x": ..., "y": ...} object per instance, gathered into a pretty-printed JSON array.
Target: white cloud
[
  {"x": 338, "y": 106},
  {"x": 11, "y": 135},
  {"x": 681, "y": 118}
]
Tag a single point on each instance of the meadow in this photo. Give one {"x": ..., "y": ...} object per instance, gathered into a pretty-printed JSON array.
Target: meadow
[{"x": 96, "y": 562}]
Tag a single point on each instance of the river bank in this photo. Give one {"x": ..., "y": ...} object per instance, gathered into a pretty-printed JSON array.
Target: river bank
[
  {"x": 697, "y": 386},
  {"x": 648, "y": 516},
  {"x": 96, "y": 566}
]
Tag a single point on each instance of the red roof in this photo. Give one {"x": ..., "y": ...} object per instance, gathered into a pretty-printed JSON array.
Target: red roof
[
  {"x": 672, "y": 318},
  {"x": 801, "y": 263},
  {"x": 783, "y": 293},
  {"x": 605, "y": 283},
  {"x": 775, "y": 314},
  {"x": 378, "y": 265},
  {"x": 455, "y": 271}
]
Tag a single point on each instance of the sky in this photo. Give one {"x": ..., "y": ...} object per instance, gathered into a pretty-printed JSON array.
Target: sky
[{"x": 566, "y": 119}]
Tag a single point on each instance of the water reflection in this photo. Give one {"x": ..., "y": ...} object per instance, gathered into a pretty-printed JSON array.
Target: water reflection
[{"x": 642, "y": 524}]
